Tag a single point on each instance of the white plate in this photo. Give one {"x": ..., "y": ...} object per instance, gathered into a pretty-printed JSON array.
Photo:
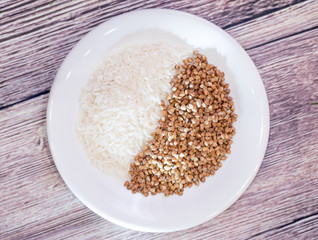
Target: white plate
[{"x": 105, "y": 195}]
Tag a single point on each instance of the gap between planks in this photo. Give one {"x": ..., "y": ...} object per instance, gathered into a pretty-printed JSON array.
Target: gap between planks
[{"x": 251, "y": 27}]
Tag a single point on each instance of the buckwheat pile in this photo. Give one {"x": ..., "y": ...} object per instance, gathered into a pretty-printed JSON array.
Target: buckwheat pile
[{"x": 193, "y": 136}]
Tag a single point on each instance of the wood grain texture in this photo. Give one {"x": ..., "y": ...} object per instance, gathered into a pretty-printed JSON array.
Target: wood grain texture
[
  {"x": 37, "y": 35},
  {"x": 281, "y": 203},
  {"x": 277, "y": 25}
]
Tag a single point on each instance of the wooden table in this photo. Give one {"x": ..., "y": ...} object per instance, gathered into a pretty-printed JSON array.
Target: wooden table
[{"x": 280, "y": 36}]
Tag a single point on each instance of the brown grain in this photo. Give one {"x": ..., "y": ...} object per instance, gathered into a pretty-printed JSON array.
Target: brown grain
[{"x": 193, "y": 135}]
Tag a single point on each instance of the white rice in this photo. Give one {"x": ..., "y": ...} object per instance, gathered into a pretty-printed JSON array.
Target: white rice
[{"x": 119, "y": 108}]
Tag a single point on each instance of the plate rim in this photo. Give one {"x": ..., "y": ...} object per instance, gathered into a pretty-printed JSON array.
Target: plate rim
[{"x": 123, "y": 223}]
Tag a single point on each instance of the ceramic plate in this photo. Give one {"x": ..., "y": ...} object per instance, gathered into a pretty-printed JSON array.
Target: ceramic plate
[{"x": 107, "y": 196}]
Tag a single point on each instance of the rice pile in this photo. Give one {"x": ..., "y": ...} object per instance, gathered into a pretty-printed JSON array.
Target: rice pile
[{"x": 120, "y": 105}]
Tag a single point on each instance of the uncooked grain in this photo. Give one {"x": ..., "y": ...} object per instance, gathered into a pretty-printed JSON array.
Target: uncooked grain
[
  {"x": 194, "y": 135},
  {"x": 120, "y": 105}
]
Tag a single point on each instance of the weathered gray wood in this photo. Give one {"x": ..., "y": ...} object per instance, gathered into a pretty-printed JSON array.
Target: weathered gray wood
[
  {"x": 304, "y": 227},
  {"x": 286, "y": 22},
  {"x": 281, "y": 203},
  {"x": 35, "y": 36}
]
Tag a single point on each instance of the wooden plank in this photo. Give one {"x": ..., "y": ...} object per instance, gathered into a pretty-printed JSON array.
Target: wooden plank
[
  {"x": 225, "y": 12},
  {"x": 36, "y": 36},
  {"x": 304, "y": 227},
  {"x": 277, "y": 25},
  {"x": 35, "y": 203},
  {"x": 31, "y": 188}
]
